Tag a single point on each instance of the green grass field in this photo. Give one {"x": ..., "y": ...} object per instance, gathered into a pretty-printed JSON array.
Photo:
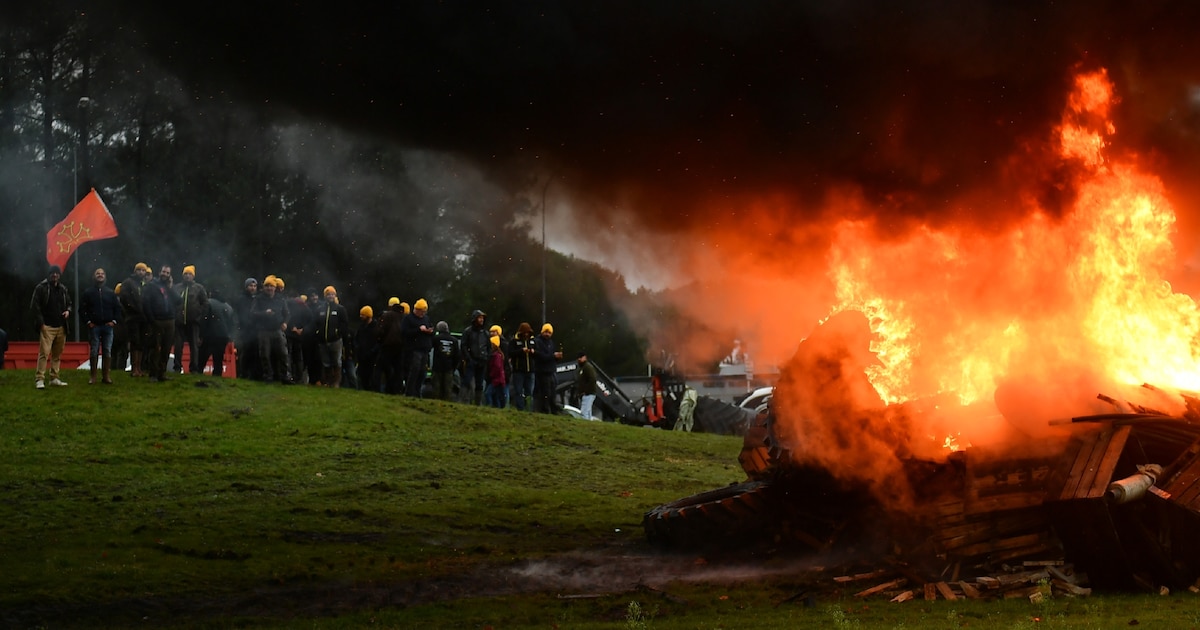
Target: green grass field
[{"x": 216, "y": 503}]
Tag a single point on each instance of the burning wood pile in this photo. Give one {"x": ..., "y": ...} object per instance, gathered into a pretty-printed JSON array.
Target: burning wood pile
[{"x": 1115, "y": 507}]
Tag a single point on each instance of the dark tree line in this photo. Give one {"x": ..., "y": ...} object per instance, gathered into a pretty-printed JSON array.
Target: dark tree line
[{"x": 192, "y": 175}]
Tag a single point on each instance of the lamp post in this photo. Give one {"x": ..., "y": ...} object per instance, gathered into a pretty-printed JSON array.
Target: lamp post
[
  {"x": 81, "y": 138},
  {"x": 544, "y": 249}
]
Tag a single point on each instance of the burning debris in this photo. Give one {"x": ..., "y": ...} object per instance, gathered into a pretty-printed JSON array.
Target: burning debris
[
  {"x": 1103, "y": 510},
  {"x": 945, "y": 419}
]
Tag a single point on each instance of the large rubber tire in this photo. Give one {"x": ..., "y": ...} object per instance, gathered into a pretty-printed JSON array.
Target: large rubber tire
[
  {"x": 714, "y": 416},
  {"x": 721, "y": 517}
]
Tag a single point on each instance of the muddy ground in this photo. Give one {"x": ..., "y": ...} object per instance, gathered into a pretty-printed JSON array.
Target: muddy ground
[{"x": 580, "y": 574}]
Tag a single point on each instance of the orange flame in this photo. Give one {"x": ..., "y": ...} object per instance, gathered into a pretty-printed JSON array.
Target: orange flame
[
  {"x": 957, "y": 312},
  {"x": 1017, "y": 326}
]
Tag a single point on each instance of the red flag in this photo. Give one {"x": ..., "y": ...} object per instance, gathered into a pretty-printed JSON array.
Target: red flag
[{"x": 89, "y": 221}]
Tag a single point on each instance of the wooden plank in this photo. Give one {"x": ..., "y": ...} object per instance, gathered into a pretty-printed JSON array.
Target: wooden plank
[
  {"x": 969, "y": 590},
  {"x": 1068, "y": 587},
  {"x": 878, "y": 588},
  {"x": 1108, "y": 464},
  {"x": 1061, "y": 574},
  {"x": 902, "y": 597},
  {"x": 1021, "y": 592},
  {"x": 931, "y": 591},
  {"x": 1186, "y": 484},
  {"x": 843, "y": 579},
  {"x": 1039, "y": 549},
  {"x": 1006, "y": 544},
  {"x": 945, "y": 590},
  {"x": 1007, "y": 579},
  {"x": 1087, "y": 444},
  {"x": 1010, "y": 501}
]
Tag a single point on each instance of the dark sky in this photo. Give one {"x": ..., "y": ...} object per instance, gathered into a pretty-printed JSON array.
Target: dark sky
[{"x": 680, "y": 105}]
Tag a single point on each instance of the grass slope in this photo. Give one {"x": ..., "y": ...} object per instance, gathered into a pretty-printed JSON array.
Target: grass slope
[
  {"x": 137, "y": 490},
  {"x": 241, "y": 505}
]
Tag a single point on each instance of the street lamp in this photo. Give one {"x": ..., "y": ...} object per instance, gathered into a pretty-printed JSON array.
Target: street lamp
[{"x": 80, "y": 139}]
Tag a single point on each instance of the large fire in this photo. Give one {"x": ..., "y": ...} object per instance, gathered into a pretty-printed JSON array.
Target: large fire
[{"x": 996, "y": 336}]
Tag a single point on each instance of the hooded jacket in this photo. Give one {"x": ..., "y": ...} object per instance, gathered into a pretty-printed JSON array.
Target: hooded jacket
[{"x": 476, "y": 345}]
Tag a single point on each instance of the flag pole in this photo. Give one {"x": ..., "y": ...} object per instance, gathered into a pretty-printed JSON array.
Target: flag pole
[{"x": 75, "y": 194}]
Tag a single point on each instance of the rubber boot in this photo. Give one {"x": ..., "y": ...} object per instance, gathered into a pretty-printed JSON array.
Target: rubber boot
[
  {"x": 335, "y": 378},
  {"x": 105, "y": 366},
  {"x": 135, "y": 363},
  {"x": 92, "y": 362}
]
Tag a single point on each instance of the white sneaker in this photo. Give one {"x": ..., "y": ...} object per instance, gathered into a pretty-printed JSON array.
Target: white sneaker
[
  {"x": 58, "y": 383},
  {"x": 39, "y": 385}
]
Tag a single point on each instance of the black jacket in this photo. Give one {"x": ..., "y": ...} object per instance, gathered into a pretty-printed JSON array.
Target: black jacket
[
  {"x": 158, "y": 301},
  {"x": 221, "y": 322},
  {"x": 99, "y": 306},
  {"x": 544, "y": 361},
  {"x": 446, "y": 353},
  {"x": 414, "y": 339},
  {"x": 330, "y": 322},
  {"x": 48, "y": 304}
]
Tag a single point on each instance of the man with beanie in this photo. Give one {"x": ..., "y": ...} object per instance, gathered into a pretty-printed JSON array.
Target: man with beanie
[
  {"x": 331, "y": 327},
  {"x": 418, "y": 341},
  {"x": 134, "y": 321},
  {"x": 366, "y": 349},
  {"x": 246, "y": 346},
  {"x": 192, "y": 310},
  {"x": 545, "y": 362},
  {"x": 391, "y": 352},
  {"x": 51, "y": 307},
  {"x": 158, "y": 306},
  {"x": 100, "y": 310},
  {"x": 270, "y": 316},
  {"x": 476, "y": 350},
  {"x": 520, "y": 354},
  {"x": 585, "y": 385},
  {"x": 446, "y": 359}
]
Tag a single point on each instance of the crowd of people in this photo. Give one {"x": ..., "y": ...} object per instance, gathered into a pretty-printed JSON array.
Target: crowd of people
[{"x": 307, "y": 339}]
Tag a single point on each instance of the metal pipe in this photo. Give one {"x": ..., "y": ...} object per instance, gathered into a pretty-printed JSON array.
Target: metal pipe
[{"x": 1134, "y": 486}]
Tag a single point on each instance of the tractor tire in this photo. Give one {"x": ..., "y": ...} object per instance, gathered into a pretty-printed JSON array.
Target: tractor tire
[
  {"x": 713, "y": 416},
  {"x": 721, "y": 517}
]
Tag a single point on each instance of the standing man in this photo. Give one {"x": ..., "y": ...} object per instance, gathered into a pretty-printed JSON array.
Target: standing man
[
  {"x": 545, "y": 362},
  {"x": 298, "y": 335},
  {"x": 585, "y": 385},
  {"x": 391, "y": 352},
  {"x": 476, "y": 350},
  {"x": 521, "y": 355},
  {"x": 158, "y": 306},
  {"x": 331, "y": 328},
  {"x": 51, "y": 306},
  {"x": 366, "y": 349},
  {"x": 132, "y": 319},
  {"x": 193, "y": 309},
  {"x": 418, "y": 341},
  {"x": 270, "y": 317},
  {"x": 247, "y": 337},
  {"x": 100, "y": 310}
]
